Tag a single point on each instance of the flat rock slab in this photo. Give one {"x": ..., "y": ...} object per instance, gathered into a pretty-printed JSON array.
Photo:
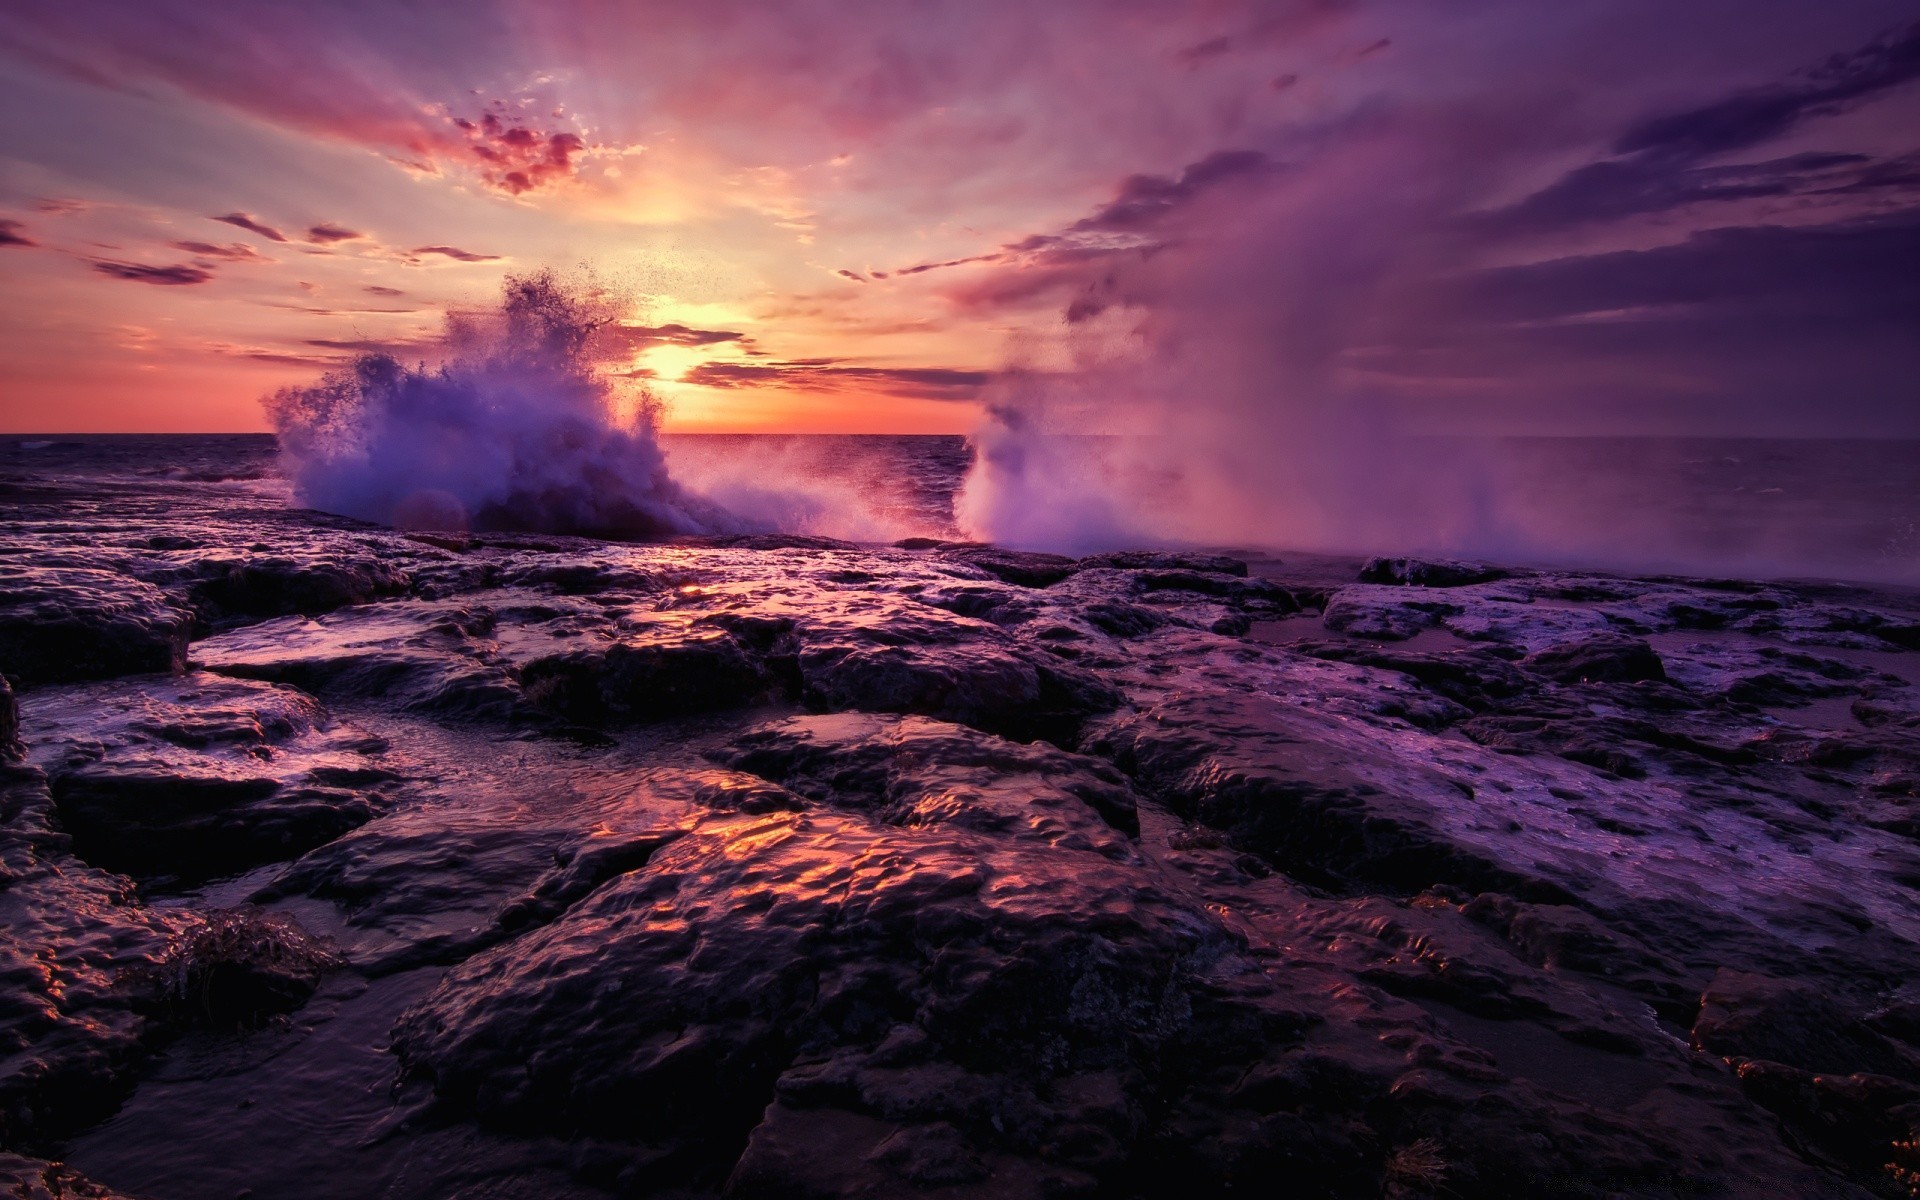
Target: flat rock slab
[
  {"x": 67, "y": 623},
  {"x": 197, "y": 775}
]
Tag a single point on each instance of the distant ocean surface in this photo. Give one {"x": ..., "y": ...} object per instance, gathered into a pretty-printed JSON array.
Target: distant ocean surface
[{"x": 1831, "y": 508}]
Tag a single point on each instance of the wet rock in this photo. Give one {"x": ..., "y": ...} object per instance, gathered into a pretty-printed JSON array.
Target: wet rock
[
  {"x": 257, "y": 586},
  {"x": 68, "y": 623},
  {"x": 1286, "y": 785},
  {"x": 769, "y": 956},
  {"x": 662, "y": 673},
  {"x": 1428, "y": 572},
  {"x": 1868, "y": 1122},
  {"x": 966, "y": 672},
  {"x": 10, "y": 747},
  {"x": 1024, "y": 568},
  {"x": 198, "y": 776},
  {"x": 1476, "y": 678},
  {"x": 1117, "y": 618},
  {"x": 23, "y": 1178},
  {"x": 1166, "y": 560},
  {"x": 1388, "y": 615},
  {"x": 913, "y": 771},
  {"x": 418, "y": 889},
  {"x": 1603, "y": 659},
  {"x": 71, "y": 1037},
  {"x": 233, "y": 968},
  {"x": 1743, "y": 1015}
]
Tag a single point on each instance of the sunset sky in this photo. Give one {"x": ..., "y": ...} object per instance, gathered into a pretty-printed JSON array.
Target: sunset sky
[{"x": 850, "y": 215}]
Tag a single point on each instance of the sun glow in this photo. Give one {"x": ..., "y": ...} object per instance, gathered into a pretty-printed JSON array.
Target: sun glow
[{"x": 672, "y": 362}]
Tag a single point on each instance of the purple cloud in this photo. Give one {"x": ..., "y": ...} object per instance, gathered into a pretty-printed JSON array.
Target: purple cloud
[
  {"x": 11, "y": 234},
  {"x": 245, "y": 221},
  {"x": 141, "y": 273},
  {"x": 455, "y": 252},
  {"x": 326, "y": 234}
]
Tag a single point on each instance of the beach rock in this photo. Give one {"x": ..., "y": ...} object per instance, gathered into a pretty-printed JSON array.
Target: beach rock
[
  {"x": 10, "y": 747},
  {"x": 1744, "y": 1015},
  {"x": 958, "y": 670},
  {"x": 819, "y": 961},
  {"x": 223, "y": 590},
  {"x": 1382, "y": 614},
  {"x": 1166, "y": 560},
  {"x": 1021, "y": 567},
  {"x": 68, "y": 623},
  {"x": 71, "y": 1036},
  {"x": 23, "y": 1178},
  {"x": 1428, "y": 572},
  {"x": 418, "y": 889},
  {"x": 663, "y": 672},
  {"x": 914, "y": 771},
  {"x": 196, "y": 776},
  {"x": 232, "y": 969},
  {"x": 1601, "y": 659}
]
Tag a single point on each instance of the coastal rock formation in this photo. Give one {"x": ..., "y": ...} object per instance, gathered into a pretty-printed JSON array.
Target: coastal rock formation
[
  {"x": 522, "y": 864},
  {"x": 69, "y": 622}
]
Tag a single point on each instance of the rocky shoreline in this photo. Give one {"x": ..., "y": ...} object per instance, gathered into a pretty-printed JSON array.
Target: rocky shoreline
[{"x": 341, "y": 861}]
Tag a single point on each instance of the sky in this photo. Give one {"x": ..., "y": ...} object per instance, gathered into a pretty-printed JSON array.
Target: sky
[{"x": 1616, "y": 216}]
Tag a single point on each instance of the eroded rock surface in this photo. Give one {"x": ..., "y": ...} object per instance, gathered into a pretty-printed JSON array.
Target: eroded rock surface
[{"x": 780, "y": 866}]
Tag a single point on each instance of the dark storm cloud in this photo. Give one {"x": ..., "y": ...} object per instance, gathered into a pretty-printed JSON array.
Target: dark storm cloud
[
  {"x": 1658, "y": 163},
  {"x": 827, "y": 374},
  {"x": 1759, "y": 115},
  {"x": 12, "y": 234},
  {"x": 327, "y": 233},
  {"x": 1619, "y": 188},
  {"x": 141, "y": 273},
  {"x": 247, "y": 222},
  {"x": 1770, "y": 329},
  {"x": 1859, "y": 270},
  {"x": 455, "y": 252},
  {"x": 1145, "y": 201}
]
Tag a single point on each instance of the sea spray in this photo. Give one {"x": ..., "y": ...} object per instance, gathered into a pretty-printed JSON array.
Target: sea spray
[{"x": 517, "y": 427}]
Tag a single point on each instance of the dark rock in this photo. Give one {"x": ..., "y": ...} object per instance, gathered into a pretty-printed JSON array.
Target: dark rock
[
  {"x": 23, "y": 1178},
  {"x": 956, "y": 670},
  {"x": 784, "y": 952},
  {"x": 1428, "y": 572},
  {"x": 1603, "y": 659},
  {"x": 1117, "y": 618},
  {"x": 421, "y": 889},
  {"x": 1021, "y": 567},
  {"x": 1743, "y": 1015},
  {"x": 198, "y": 776},
  {"x": 663, "y": 673},
  {"x": 913, "y": 771},
  {"x": 1284, "y": 784},
  {"x": 1477, "y": 678},
  {"x": 67, "y": 623},
  {"x": 1166, "y": 560},
  {"x": 71, "y": 1036},
  {"x": 10, "y": 747},
  {"x": 1382, "y": 614},
  {"x": 233, "y": 968},
  {"x": 254, "y": 587}
]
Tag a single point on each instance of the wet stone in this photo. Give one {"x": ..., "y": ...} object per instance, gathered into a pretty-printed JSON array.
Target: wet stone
[
  {"x": 68, "y": 623},
  {"x": 197, "y": 776}
]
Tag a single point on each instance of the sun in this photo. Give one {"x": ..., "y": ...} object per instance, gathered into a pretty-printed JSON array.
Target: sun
[{"x": 671, "y": 362}]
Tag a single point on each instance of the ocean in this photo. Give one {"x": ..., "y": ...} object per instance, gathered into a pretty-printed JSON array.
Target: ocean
[{"x": 1841, "y": 509}]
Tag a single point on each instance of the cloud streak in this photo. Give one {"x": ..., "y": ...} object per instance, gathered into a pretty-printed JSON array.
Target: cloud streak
[{"x": 172, "y": 276}]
